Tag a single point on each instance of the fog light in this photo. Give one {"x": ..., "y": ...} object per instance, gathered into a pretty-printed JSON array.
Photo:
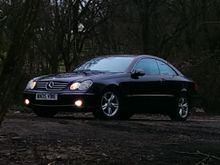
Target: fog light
[
  {"x": 27, "y": 102},
  {"x": 78, "y": 103}
]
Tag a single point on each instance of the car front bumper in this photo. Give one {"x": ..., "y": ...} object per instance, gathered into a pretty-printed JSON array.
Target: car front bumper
[{"x": 64, "y": 102}]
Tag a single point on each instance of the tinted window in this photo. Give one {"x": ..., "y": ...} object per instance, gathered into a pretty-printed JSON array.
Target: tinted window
[
  {"x": 148, "y": 65},
  {"x": 110, "y": 64},
  {"x": 165, "y": 69}
]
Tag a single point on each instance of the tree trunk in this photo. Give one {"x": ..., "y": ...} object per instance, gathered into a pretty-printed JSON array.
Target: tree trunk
[
  {"x": 12, "y": 74},
  {"x": 144, "y": 14}
]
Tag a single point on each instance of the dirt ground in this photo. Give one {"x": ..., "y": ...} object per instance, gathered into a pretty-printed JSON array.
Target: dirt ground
[{"x": 81, "y": 139}]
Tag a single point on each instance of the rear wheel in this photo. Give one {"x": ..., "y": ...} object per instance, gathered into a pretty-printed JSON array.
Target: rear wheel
[
  {"x": 44, "y": 112},
  {"x": 181, "y": 110}
]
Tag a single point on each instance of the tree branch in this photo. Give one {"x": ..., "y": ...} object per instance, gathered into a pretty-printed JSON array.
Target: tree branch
[{"x": 198, "y": 153}]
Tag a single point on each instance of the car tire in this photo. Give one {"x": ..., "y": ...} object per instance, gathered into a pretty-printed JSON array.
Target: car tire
[
  {"x": 181, "y": 110},
  {"x": 43, "y": 112},
  {"x": 110, "y": 106}
]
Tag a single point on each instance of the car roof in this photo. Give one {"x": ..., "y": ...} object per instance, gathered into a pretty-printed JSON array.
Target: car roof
[
  {"x": 133, "y": 55},
  {"x": 140, "y": 56}
]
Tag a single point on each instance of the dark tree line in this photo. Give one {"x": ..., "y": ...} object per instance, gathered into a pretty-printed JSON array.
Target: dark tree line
[
  {"x": 48, "y": 36},
  {"x": 11, "y": 73}
]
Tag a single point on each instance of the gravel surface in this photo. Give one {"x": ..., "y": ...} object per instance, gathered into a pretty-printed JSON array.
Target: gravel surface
[{"x": 82, "y": 139}]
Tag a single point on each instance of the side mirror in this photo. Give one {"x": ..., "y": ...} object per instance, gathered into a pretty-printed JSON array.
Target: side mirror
[{"x": 137, "y": 72}]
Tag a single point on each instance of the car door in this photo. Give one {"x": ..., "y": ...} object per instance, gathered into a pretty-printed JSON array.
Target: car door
[
  {"x": 144, "y": 90},
  {"x": 170, "y": 84}
]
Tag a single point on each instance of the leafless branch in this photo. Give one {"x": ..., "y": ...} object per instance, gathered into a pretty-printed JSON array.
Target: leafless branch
[{"x": 198, "y": 153}]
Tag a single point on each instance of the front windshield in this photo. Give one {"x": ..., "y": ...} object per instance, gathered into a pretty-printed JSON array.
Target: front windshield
[{"x": 107, "y": 64}]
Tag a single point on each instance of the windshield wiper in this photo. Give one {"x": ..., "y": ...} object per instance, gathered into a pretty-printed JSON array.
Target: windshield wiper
[{"x": 84, "y": 71}]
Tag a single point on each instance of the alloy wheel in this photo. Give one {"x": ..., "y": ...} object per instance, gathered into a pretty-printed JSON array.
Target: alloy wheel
[
  {"x": 110, "y": 104},
  {"x": 183, "y": 107}
]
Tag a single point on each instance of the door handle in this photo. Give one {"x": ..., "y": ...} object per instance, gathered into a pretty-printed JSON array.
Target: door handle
[{"x": 162, "y": 79}]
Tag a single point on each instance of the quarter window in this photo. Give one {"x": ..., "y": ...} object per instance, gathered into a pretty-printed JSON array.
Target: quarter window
[
  {"x": 165, "y": 69},
  {"x": 148, "y": 65}
]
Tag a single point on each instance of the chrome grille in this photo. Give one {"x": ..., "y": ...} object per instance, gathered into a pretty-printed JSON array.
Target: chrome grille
[{"x": 51, "y": 85}]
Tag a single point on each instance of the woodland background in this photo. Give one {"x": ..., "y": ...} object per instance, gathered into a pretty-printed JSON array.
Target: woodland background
[{"x": 48, "y": 36}]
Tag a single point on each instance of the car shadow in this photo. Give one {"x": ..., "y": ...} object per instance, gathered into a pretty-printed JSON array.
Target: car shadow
[
  {"x": 150, "y": 120},
  {"x": 74, "y": 118},
  {"x": 135, "y": 118}
]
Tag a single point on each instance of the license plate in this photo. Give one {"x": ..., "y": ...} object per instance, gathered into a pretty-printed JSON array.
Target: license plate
[{"x": 46, "y": 96}]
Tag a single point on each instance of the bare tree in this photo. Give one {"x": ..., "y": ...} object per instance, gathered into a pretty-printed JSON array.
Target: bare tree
[
  {"x": 146, "y": 10},
  {"x": 12, "y": 73},
  {"x": 3, "y": 41},
  {"x": 66, "y": 26}
]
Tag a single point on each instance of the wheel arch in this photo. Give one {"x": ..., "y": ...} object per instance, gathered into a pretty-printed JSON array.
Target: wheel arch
[
  {"x": 186, "y": 93},
  {"x": 114, "y": 87},
  {"x": 111, "y": 86}
]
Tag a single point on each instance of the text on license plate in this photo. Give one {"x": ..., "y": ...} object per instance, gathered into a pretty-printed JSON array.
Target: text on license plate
[{"x": 46, "y": 96}]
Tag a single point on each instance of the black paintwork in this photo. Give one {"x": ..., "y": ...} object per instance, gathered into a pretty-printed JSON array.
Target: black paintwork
[{"x": 138, "y": 92}]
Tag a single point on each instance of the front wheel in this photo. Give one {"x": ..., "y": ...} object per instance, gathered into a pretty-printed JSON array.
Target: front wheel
[
  {"x": 181, "y": 110},
  {"x": 110, "y": 106}
]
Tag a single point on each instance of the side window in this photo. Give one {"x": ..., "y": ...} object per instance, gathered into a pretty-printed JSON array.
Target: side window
[
  {"x": 165, "y": 69},
  {"x": 148, "y": 65}
]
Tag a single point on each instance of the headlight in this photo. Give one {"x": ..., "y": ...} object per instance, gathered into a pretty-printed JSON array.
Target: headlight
[
  {"x": 31, "y": 84},
  {"x": 74, "y": 86},
  {"x": 81, "y": 86},
  {"x": 85, "y": 85}
]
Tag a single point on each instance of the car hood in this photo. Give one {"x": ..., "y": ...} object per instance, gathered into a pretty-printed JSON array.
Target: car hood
[{"x": 70, "y": 77}]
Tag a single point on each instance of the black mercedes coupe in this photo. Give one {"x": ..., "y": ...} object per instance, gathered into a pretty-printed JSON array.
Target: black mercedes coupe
[{"x": 114, "y": 87}]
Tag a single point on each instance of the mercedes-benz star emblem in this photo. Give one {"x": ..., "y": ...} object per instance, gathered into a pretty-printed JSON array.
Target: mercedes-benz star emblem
[{"x": 50, "y": 85}]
